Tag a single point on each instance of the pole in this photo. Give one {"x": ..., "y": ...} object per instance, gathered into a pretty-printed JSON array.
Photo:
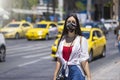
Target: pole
[
  {"x": 89, "y": 9},
  {"x": 48, "y": 9},
  {"x": 61, "y": 9}
]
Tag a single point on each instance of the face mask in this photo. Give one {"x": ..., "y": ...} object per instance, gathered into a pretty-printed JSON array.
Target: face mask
[{"x": 71, "y": 26}]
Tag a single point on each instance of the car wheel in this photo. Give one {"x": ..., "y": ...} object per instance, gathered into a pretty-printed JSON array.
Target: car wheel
[
  {"x": 104, "y": 52},
  {"x": 91, "y": 56},
  {"x": 47, "y": 37},
  {"x": 17, "y": 36},
  {"x": 29, "y": 39},
  {"x": 2, "y": 54}
]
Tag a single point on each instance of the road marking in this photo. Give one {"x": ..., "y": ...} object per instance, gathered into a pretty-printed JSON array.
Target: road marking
[
  {"x": 23, "y": 46},
  {"x": 27, "y": 48},
  {"x": 34, "y": 55},
  {"x": 29, "y": 52},
  {"x": 35, "y": 61}
]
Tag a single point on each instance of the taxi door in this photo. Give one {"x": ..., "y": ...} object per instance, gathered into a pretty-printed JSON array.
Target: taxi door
[
  {"x": 100, "y": 42},
  {"x": 95, "y": 41},
  {"x": 53, "y": 31},
  {"x": 25, "y": 28}
]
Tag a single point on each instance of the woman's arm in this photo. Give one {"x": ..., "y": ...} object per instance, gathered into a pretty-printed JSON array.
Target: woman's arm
[
  {"x": 85, "y": 66},
  {"x": 58, "y": 64}
]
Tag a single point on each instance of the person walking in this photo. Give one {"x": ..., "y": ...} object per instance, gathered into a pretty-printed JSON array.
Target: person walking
[
  {"x": 118, "y": 39},
  {"x": 117, "y": 33},
  {"x": 72, "y": 51}
]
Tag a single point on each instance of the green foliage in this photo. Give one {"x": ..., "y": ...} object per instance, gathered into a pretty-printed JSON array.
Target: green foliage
[
  {"x": 109, "y": 4},
  {"x": 80, "y": 5},
  {"x": 32, "y": 3},
  {"x": 24, "y": 4}
]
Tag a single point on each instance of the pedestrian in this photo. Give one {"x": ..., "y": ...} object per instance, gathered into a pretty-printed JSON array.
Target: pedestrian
[
  {"x": 118, "y": 40},
  {"x": 117, "y": 33},
  {"x": 72, "y": 51}
]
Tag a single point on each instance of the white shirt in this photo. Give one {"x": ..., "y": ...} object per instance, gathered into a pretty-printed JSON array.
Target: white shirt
[{"x": 79, "y": 53}]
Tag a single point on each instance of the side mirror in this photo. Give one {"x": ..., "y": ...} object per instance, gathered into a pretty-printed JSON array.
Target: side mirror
[{"x": 95, "y": 38}]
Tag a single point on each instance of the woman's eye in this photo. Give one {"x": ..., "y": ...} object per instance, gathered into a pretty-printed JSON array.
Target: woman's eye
[
  {"x": 68, "y": 21},
  {"x": 74, "y": 22}
]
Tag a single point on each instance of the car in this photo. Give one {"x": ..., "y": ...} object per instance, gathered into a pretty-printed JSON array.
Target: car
[
  {"x": 2, "y": 48},
  {"x": 97, "y": 25},
  {"x": 96, "y": 43},
  {"x": 60, "y": 26},
  {"x": 16, "y": 29},
  {"x": 111, "y": 24},
  {"x": 43, "y": 30}
]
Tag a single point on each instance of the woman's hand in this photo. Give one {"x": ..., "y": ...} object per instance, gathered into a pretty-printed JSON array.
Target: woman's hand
[
  {"x": 58, "y": 64},
  {"x": 88, "y": 78}
]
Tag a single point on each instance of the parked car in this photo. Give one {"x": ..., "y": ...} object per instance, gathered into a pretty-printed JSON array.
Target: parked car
[
  {"x": 2, "y": 48},
  {"x": 111, "y": 24},
  {"x": 16, "y": 29},
  {"x": 43, "y": 30},
  {"x": 96, "y": 43},
  {"x": 97, "y": 25}
]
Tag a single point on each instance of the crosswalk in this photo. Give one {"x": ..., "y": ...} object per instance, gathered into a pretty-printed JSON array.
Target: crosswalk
[{"x": 30, "y": 53}]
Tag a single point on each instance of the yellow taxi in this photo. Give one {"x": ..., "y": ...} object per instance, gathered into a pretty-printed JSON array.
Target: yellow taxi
[
  {"x": 60, "y": 26},
  {"x": 16, "y": 29},
  {"x": 43, "y": 30},
  {"x": 96, "y": 43}
]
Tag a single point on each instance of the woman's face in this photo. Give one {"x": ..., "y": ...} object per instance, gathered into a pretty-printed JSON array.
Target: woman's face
[
  {"x": 71, "y": 19},
  {"x": 71, "y": 24}
]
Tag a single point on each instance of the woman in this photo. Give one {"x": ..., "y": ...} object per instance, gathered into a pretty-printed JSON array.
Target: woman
[
  {"x": 118, "y": 40},
  {"x": 73, "y": 51}
]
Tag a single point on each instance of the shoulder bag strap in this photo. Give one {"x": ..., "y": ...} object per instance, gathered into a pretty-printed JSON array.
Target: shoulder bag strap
[{"x": 83, "y": 66}]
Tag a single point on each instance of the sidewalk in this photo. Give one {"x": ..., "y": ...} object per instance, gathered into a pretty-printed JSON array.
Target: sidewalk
[{"x": 110, "y": 71}]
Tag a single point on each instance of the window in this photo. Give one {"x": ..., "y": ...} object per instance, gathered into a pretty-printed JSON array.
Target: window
[
  {"x": 13, "y": 25},
  {"x": 86, "y": 34},
  {"x": 97, "y": 34},
  {"x": 52, "y": 25},
  {"x": 40, "y": 25},
  {"x": 26, "y": 25}
]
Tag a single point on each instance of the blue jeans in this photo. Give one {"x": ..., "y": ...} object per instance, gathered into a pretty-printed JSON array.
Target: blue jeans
[{"x": 74, "y": 73}]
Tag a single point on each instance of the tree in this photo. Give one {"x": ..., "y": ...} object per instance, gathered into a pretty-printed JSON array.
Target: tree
[
  {"x": 32, "y": 3},
  {"x": 80, "y": 5}
]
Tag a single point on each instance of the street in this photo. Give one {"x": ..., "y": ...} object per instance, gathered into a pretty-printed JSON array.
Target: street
[{"x": 31, "y": 60}]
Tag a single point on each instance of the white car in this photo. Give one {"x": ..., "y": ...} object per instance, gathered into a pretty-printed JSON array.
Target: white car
[
  {"x": 111, "y": 24},
  {"x": 2, "y": 48}
]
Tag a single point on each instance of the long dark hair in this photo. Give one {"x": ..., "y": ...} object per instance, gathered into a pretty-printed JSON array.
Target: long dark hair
[{"x": 77, "y": 29}]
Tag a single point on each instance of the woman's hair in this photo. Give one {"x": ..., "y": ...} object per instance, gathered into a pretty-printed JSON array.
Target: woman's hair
[{"x": 77, "y": 29}]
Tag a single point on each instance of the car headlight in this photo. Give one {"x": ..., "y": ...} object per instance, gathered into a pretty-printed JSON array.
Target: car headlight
[{"x": 40, "y": 32}]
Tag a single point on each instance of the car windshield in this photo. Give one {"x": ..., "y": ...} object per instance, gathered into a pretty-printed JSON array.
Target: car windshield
[
  {"x": 86, "y": 34},
  {"x": 60, "y": 24},
  {"x": 40, "y": 26},
  {"x": 13, "y": 25}
]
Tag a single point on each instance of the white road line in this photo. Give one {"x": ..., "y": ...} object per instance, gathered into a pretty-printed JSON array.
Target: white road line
[
  {"x": 17, "y": 46},
  {"x": 29, "y": 52},
  {"x": 26, "y": 50},
  {"x": 37, "y": 55},
  {"x": 35, "y": 61},
  {"x": 25, "y": 47}
]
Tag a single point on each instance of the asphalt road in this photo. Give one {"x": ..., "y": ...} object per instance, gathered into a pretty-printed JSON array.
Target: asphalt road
[{"x": 31, "y": 60}]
